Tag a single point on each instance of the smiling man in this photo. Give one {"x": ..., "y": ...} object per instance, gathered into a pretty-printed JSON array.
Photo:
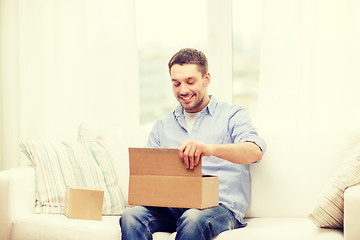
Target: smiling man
[
  {"x": 190, "y": 86},
  {"x": 220, "y": 133}
]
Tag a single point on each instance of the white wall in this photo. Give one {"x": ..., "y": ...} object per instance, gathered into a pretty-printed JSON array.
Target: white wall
[
  {"x": 309, "y": 77},
  {"x": 9, "y": 98},
  {"x": 71, "y": 61},
  {"x": 220, "y": 49}
]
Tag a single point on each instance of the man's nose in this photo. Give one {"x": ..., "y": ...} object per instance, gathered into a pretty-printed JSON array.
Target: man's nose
[{"x": 184, "y": 90}]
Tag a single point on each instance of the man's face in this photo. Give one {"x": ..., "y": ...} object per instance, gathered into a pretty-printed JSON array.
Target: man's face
[{"x": 190, "y": 87}]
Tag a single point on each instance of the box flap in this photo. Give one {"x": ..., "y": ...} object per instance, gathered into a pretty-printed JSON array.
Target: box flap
[{"x": 159, "y": 161}]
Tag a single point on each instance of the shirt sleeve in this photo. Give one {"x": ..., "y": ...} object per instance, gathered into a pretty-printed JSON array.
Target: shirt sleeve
[
  {"x": 154, "y": 139},
  {"x": 242, "y": 130}
]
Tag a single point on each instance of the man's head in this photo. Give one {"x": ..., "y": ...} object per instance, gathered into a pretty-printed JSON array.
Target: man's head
[
  {"x": 190, "y": 56},
  {"x": 190, "y": 78}
]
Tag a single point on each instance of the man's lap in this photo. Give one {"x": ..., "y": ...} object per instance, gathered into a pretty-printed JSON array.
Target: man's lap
[{"x": 163, "y": 219}]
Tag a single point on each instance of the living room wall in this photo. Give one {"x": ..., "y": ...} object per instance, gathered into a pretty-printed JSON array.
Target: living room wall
[{"x": 63, "y": 63}]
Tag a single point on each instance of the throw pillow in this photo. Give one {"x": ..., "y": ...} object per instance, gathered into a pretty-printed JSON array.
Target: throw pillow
[
  {"x": 79, "y": 164},
  {"x": 328, "y": 212}
]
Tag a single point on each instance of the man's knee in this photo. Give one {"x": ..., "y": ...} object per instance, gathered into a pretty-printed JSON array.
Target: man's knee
[
  {"x": 134, "y": 223},
  {"x": 133, "y": 216},
  {"x": 192, "y": 225},
  {"x": 205, "y": 224},
  {"x": 191, "y": 219}
]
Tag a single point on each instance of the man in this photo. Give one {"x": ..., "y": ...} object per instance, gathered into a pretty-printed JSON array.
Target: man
[{"x": 218, "y": 132}]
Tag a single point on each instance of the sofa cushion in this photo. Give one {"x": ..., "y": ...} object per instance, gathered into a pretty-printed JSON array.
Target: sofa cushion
[
  {"x": 44, "y": 226},
  {"x": 281, "y": 229},
  {"x": 80, "y": 164},
  {"x": 52, "y": 227},
  {"x": 329, "y": 209},
  {"x": 117, "y": 139},
  {"x": 294, "y": 170}
]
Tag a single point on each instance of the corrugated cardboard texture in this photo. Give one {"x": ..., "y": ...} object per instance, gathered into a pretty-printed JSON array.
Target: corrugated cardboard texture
[
  {"x": 160, "y": 162},
  {"x": 84, "y": 203},
  {"x": 158, "y": 177}
]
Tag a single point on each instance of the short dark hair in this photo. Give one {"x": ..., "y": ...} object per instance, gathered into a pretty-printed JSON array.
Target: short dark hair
[{"x": 190, "y": 56}]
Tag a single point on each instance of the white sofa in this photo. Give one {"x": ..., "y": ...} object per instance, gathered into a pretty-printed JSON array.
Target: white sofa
[{"x": 285, "y": 186}]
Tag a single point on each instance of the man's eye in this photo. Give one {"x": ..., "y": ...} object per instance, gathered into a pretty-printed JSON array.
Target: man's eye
[
  {"x": 191, "y": 83},
  {"x": 176, "y": 84}
]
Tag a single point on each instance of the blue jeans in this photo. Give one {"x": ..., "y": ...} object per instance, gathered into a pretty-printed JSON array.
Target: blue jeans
[{"x": 139, "y": 222}]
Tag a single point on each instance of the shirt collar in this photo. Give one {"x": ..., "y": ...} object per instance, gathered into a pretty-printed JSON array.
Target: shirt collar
[{"x": 210, "y": 108}]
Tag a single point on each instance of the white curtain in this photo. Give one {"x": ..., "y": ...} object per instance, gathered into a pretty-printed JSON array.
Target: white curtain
[
  {"x": 64, "y": 62},
  {"x": 310, "y": 66}
]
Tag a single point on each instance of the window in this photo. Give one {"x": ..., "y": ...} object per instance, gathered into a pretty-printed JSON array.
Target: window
[
  {"x": 163, "y": 27},
  {"x": 246, "y": 53},
  {"x": 166, "y": 26}
]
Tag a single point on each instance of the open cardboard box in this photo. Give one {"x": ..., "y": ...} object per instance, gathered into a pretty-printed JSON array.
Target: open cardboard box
[{"x": 158, "y": 177}]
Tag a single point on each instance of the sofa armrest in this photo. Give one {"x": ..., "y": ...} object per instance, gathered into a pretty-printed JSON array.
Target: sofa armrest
[
  {"x": 352, "y": 213},
  {"x": 17, "y": 188}
]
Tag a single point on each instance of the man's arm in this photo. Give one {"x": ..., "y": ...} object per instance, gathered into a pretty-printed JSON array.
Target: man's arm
[{"x": 240, "y": 153}]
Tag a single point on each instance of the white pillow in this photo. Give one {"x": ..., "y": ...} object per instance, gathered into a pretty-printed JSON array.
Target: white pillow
[
  {"x": 328, "y": 211},
  {"x": 79, "y": 164}
]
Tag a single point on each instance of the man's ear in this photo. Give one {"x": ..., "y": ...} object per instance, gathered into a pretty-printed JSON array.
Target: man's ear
[{"x": 207, "y": 79}]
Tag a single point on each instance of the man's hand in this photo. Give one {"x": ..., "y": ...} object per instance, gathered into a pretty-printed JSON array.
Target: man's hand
[
  {"x": 240, "y": 153},
  {"x": 191, "y": 152}
]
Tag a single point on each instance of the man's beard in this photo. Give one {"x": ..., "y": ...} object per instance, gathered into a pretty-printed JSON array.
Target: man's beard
[{"x": 196, "y": 104}]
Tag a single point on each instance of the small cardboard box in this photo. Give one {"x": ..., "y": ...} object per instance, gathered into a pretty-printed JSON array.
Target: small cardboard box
[
  {"x": 158, "y": 177},
  {"x": 84, "y": 203}
]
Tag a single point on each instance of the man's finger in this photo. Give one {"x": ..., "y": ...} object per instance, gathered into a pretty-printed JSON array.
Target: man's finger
[
  {"x": 186, "y": 156},
  {"x": 197, "y": 157},
  {"x": 191, "y": 152}
]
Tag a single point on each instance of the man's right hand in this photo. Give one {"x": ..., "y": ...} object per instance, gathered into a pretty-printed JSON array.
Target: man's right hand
[{"x": 191, "y": 152}]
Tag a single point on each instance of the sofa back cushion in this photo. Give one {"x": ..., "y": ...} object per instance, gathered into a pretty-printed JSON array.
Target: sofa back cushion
[
  {"x": 285, "y": 183},
  {"x": 294, "y": 170},
  {"x": 117, "y": 139}
]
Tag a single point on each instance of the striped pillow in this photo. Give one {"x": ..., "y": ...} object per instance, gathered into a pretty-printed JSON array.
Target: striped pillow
[
  {"x": 329, "y": 209},
  {"x": 77, "y": 164}
]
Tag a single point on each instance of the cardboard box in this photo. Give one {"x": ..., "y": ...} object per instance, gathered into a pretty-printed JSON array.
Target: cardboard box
[
  {"x": 158, "y": 177},
  {"x": 84, "y": 203}
]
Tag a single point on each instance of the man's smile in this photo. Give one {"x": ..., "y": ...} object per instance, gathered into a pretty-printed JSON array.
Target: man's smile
[{"x": 186, "y": 99}]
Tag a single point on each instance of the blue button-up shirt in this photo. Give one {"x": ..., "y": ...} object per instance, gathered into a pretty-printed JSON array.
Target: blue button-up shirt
[{"x": 218, "y": 123}]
